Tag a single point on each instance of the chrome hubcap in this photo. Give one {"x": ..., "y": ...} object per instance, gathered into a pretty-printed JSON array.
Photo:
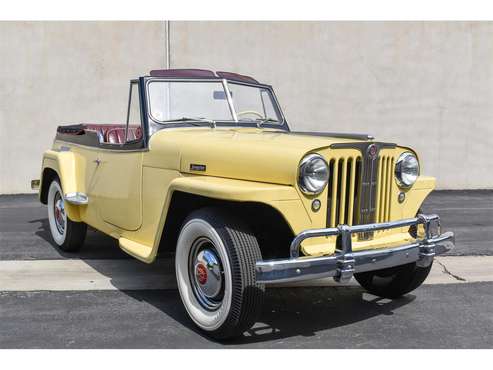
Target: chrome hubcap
[
  {"x": 59, "y": 212},
  {"x": 206, "y": 274}
]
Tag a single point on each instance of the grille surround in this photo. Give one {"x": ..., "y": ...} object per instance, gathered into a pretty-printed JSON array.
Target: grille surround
[{"x": 360, "y": 185}]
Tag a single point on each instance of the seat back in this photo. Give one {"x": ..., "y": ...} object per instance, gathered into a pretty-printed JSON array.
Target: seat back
[{"x": 116, "y": 135}]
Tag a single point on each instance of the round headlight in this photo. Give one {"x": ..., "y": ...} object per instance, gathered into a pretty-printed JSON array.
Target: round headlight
[
  {"x": 406, "y": 169},
  {"x": 313, "y": 174}
]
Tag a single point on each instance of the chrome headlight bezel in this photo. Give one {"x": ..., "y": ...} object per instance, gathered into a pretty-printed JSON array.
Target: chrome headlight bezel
[
  {"x": 306, "y": 164},
  {"x": 403, "y": 164}
]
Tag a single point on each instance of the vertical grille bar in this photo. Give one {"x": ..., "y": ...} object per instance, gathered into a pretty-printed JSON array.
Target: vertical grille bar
[
  {"x": 357, "y": 189},
  {"x": 389, "y": 187},
  {"x": 335, "y": 186},
  {"x": 342, "y": 202},
  {"x": 388, "y": 179},
  {"x": 381, "y": 174},
  {"x": 352, "y": 193},
  {"x": 378, "y": 211},
  {"x": 385, "y": 189}
]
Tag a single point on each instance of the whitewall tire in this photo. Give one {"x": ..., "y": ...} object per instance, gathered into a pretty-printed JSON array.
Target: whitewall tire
[
  {"x": 67, "y": 234},
  {"x": 215, "y": 271}
]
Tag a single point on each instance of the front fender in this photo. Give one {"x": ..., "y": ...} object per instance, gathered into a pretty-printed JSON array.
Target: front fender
[
  {"x": 283, "y": 198},
  {"x": 234, "y": 190}
]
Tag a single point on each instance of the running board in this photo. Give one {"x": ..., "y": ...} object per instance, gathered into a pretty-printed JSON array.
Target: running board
[{"x": 140, "y": 251}]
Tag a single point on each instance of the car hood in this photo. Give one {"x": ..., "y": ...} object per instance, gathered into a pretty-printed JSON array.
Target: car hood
[{"x": 241, "y": 153}]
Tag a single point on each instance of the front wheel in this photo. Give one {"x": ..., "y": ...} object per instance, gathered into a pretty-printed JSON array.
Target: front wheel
[
  {"x": 67, "y": 234},
  {"x": 215, "y": 271},
  {"x": 393, "y": 282}
]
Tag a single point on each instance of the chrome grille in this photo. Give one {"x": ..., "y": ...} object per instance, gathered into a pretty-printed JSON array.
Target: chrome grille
[{"x": 360, "y": 185}]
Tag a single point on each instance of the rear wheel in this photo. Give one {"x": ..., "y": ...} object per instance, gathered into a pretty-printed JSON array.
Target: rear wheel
[
  {"x": 215, "y": 271},
  {"x": 393, "y": 282},
  {"x": 67, "y": 234}
]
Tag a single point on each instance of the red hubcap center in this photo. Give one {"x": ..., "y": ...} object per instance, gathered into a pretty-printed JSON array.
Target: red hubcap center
[
  {"x": 201, "y": 272},
  {"x": 58, "y": 215}
]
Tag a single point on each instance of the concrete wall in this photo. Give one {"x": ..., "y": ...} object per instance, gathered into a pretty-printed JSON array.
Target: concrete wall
[
  {"x": 65, "y": 72},
  {"x": 428, "y": 85}
]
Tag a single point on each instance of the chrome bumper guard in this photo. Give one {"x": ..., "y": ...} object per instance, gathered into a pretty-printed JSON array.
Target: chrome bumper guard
[{"x": 344, "y": 262}]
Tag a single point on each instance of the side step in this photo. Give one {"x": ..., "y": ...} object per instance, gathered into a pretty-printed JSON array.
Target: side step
[{"x": 140, "y": 251}]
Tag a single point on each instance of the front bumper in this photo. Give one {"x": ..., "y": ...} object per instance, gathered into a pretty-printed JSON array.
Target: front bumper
[{"x": 344, "y": 263}]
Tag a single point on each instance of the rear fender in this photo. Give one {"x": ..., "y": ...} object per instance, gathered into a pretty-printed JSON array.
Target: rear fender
[{"x": 70, "y": 169}]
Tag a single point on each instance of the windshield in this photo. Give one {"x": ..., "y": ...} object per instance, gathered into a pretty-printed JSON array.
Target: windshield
[
  {"x": 253, "y": 103},
  {"x": 182, "y": 101}
]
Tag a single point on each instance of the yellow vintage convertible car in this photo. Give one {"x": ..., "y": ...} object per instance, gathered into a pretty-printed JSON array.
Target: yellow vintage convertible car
[{"x": 206, "y": 167}]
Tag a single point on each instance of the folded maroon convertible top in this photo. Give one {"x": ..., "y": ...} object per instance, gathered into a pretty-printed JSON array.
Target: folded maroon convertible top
[{"x": 200, "y": 73}]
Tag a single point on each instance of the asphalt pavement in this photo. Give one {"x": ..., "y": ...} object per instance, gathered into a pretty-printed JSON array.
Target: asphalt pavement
[
  {"x": 469, "y": 214},
  {"x": 434, "y": 316}
]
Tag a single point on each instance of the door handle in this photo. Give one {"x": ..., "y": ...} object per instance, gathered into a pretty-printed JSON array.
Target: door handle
[{"x": 97, "y": 161}]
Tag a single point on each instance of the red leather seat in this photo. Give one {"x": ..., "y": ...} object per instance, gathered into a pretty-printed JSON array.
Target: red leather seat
[
  {"x": 115, "y": 134},
  {"x": 101, "y": 130}
]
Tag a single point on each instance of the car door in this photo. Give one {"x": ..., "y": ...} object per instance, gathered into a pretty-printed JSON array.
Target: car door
[
  {"x": 120, "y": 169},
  {"x": 120, "y": 187}
]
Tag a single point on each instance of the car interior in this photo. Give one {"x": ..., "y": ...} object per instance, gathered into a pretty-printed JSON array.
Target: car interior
[{"x": 106, "y": 133}]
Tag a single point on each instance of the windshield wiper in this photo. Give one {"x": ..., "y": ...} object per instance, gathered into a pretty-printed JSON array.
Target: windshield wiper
[
  {"x": 260, "y": 122},
  {"x": 193, "y": 121}
]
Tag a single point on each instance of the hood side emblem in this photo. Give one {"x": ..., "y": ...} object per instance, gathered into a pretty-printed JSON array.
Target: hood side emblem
[{"x": 197, "y": 167}]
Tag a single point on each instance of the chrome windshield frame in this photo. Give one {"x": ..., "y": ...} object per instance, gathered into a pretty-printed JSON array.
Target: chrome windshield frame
[
  {"x": 275, "y": 102},
  {"x": 229, "y": 98}
]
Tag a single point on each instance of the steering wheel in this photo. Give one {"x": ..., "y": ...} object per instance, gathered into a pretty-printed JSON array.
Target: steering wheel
[{"x": 255, "y": 113}]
